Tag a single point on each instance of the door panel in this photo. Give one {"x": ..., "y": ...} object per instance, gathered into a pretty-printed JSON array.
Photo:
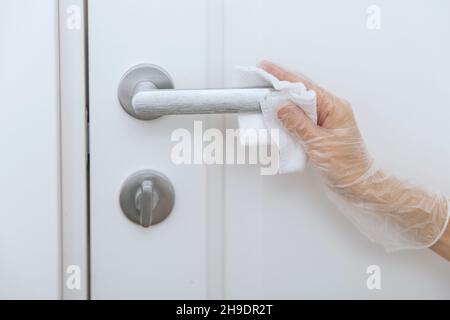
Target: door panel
[
  {"x": 128, "y": 261},
  {"x": 274, "y": 236}
]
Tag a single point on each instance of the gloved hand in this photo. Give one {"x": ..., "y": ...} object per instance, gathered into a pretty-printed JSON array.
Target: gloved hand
[{"x": 388, "y": 211}]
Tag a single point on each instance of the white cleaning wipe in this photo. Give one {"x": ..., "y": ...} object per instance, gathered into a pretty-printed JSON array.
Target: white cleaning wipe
[{"x": 292, "y": 157}]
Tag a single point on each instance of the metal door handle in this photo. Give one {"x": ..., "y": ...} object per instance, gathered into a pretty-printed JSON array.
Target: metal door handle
[{"x": 146, "y": 92}]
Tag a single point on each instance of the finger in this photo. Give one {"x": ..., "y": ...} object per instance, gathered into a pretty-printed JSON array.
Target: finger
[
  {"x": 324, "y": 98},
  {"x": 284, "y": 75},
  {"x": 279, "y": 72},
  {"x": 297, "y": 122}
]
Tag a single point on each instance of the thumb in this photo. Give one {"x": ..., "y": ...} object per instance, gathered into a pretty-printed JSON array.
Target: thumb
[{"x": 297, "y": 122}]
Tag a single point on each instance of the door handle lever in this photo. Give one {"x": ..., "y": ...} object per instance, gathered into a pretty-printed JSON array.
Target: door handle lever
[{"x": 146, "y": 92}]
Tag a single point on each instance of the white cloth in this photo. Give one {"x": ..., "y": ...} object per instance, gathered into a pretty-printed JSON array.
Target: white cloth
[{"x": 292, "y": 157}]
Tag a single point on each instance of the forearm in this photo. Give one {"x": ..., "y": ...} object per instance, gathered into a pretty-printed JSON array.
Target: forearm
[
  {"x": 442, "y": 247},
  {"x": 420, "y": 215}
]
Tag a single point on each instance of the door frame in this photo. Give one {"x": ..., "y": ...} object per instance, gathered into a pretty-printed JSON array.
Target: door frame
[{"x": 74, "y": 131}]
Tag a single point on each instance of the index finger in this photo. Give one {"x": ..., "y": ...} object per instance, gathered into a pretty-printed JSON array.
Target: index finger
[{"x": 285, "y": 75}]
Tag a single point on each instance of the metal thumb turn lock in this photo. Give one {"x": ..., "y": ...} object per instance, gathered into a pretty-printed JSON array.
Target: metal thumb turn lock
[{"x": 147, "y": 197}]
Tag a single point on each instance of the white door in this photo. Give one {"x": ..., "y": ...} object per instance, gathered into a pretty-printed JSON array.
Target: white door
[{"x": 232, "y": 232}]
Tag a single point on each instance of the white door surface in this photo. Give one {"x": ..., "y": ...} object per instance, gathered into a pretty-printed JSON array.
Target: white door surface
[
  {"x": 234, "y": 233},
  {"x": 30, "y": 249}
]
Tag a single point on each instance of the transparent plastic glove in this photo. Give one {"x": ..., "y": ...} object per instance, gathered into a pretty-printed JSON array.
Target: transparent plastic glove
[{"x": 391, "y": 212}]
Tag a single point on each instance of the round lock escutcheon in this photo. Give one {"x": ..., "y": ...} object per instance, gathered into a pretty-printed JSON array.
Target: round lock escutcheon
[
  {"x": 145, "y": 75},
  {"x": 147, "y": 197}
]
